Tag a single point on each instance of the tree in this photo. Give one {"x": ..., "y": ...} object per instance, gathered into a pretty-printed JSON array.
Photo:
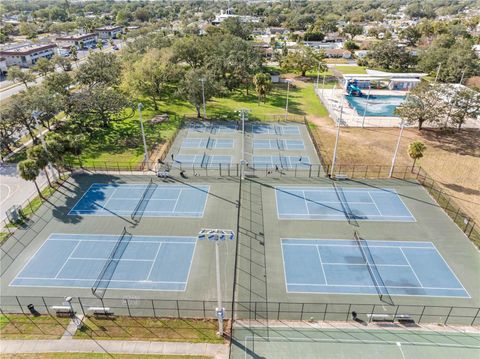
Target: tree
[
  {"x": 15, "y": 74},
  {"x": 41, "y": 157},
  {"x": 411, "y": 35},
  {"x": 19, "y": 109},
  {"x": 423, "y": 105},
  {"x": 62, "y": 62},
  {"x": 44, "y": 66},
  {"x": 350, "y": 45},
  {"x": 9, "y": 128},
  {"x": 313, "y": 36},
  {"x": 100, "y": 45},
  {"x": 57, "y": 83},
  {"x": 151, "y": 75},
  {"x": 29, "y": 171},
  {"x": 353, "y": 30},
  {"x": 302, "y": 60},
  {"x": 415, "y": 151},
  {"x": 388, "y": 55},
  {"x": 465, "y": 105},
  {"x": 100, "y": 68},
  {"x": 74, "y": 54},
  {"x": 190, "y": 88},
  {"x": 98, "y": 106},
  {"x": 263, "y": 85},
  {"x": 28, "y": 29},
  {"x": 191, "y": 50}
]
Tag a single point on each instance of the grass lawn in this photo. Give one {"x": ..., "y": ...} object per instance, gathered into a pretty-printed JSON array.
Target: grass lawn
[
  {"x": 97, "y": 356},
  {"x": 19, "y": 326},
  {"x": 141, "y": 328},
  {"x": 336, "y": 61},
  {"x": 351, "y": 69}
]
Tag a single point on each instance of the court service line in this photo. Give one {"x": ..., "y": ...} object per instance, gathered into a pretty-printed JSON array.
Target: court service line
[
  {"x": 154, "y": 261},
  {"x": 413, "y": 271},
  {"x": 321, "y": 264},
  {"x": 68, "y": 258},
  {"x": 375, "y": 203}
]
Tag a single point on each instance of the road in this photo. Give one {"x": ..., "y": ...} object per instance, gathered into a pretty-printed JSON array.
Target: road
[{"x": 7, "y": 88}]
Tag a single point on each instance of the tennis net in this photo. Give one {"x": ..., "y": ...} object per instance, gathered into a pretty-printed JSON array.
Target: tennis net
[
  {"x": 209, "y": 143},
  {"x": 283, "y": 162},
  {"x": 103, "y": 280},
  {"x": 345, "y": 206},
  {"x": 280, "y": 144},
  {"x": 142, "y": 204},
  {"x": 380, "y": 287},
  {"x": 205, "y": 160}
]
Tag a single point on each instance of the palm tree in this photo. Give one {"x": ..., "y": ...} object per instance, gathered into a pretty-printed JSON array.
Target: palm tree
[
  {"x": 415, "y": 151},
  {"x": 40, "y": 156},
  {"x": 29, "y": 171}
]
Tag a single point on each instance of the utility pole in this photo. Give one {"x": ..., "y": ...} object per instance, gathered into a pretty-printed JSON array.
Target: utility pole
[
  {"x": 286, "y": 105},
  {"x": 202, "y": 80},
  {"x": 337, "y": 137},
  {"x": 318, "y": 75},
  {"x": 366, "y": 106},
  {"x": 394, "y": 158},
  {"x": 243, "y": 114},
  {"x": 145, "y": 150},
  {"x": 438, "y": 72},
  {"x": 217, "y": 235}
]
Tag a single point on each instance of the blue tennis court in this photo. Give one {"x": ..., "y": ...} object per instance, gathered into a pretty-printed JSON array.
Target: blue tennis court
[
  {"x": 223, "y": 143},
  {"x": 77, "y": 260},
  {"x": 286, "y": 162},
  {"x": 327, "y": 203},
  {"x": 202, "y": 160},
  {"x": 203, "y": 127},
  {"x": 103, "y": 199},
  {"x": 274, "y": 129},
  {"x": 377, "y": 267},
  {"x": 278, "y": 145}
]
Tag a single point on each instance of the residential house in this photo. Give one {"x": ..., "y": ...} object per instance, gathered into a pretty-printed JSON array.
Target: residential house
[{"x": 338, "y": 53}]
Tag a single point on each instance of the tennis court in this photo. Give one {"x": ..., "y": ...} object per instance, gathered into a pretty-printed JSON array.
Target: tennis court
[
  {"x": 153, "y": 199},
  {"x": 202, "y": 160},
  {"x": 281, "y": 161},
  {"x": 278, "y": 145},
  {"x": 219, "y": 143},
  {"x": 337, "y": 203},
  {"x": 368, "y": 267},
  {"x": 207, "y": 127},
  {"x": 274, "y": 129},
  {"x": 77, "y": 260}
]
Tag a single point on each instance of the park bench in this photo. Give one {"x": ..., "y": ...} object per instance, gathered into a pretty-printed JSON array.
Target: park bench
[
  {"x": 404, "y": 318},
  {"x": 380, "y": 318},
  {"x": 62, "y": 310},
  {"x": 341, "y": 176},
  {"x": 100, "y": 312}
]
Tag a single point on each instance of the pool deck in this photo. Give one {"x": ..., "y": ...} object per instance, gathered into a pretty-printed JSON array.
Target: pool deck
[{"x": 333, "y": 98}]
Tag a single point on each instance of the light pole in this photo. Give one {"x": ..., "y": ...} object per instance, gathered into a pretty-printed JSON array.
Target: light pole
[
  {"x": 394, "y": 158},
  {"x": 202, "y": 80},
  {"x": 76, "y": 320},
  {"x": 286, "y": 104},
  {"x": 243, "y": 114},
  {"x": 323, "y": 82},
  {"x": 366, "y": 106},
  {"x": 217, "y": 235},
  {"x": 35, "y": 115},
  {"x": 145, "y": 150},
  {"x": 438, "y": 72},
  {"x": 337, "y": 137},
  {"x": 318, "y": 75}
]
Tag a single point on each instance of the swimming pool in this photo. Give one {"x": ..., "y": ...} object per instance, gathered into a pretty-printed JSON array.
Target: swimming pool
[{"x": 378, "y": 105}]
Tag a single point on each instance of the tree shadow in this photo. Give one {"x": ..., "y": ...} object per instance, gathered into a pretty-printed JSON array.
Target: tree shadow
[
  {"x": 458, "y": 188},
  {"x": 464, "y": 142}
]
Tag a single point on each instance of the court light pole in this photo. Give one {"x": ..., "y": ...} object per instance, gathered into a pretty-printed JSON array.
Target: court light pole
[
  {"x": 323, "y": 82},
  {"x": 243, "y": 114},
  {"x": 366, "y": 106},
  {"x": 145, "y": 150},
  {"x": 394, "y": 158},
  {"x": 337, "y": 137},
  {"x": 35, "y": 115},
  {"x": 217, "y": 235},
  {"x": 202, "y": 80},
  {"x": 318, "y": 75},
  {"x": 286, "y": 104}
]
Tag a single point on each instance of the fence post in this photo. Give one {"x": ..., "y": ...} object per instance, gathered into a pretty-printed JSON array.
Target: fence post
[
  {"x": 128, "y": 308},
  {"x": 19, "y": 304},
  {"x": 301, "y": 313},
  {"x": 45, "y": 304},
  {"x": 178, "y": 309},
  {"x": 373, "y": 311},
  {"x": 448, "y": 316},
  {"x": 456, "y": 215},
  {"x": 348, "y": 312},
  {"x": 475, "y": 317},
  {"x": 325, "y": 312},
  {"x": 421, "y": 315},
  {"x": 204, "y": 312},
  {"x": 278, "y": 310}
]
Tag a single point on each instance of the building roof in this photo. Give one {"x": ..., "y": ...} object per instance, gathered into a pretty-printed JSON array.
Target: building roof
[
  {"x": 26, "y": 49},
  {"x": 108, "y": 28},
  {"x": 75, "y": 37},
  {"x": 337, "y": 51}
]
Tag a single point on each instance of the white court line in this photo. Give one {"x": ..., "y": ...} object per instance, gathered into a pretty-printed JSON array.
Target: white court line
[
  {"x": 67, "y": 259},
  {"x": 413, "y": 271},
  {"x": 93, "y": 280},
  {"x": 109, "y": 198},
  {"x": 113, "y": 260},
  {"x": 375, "y": 204},
  {"x": 371, "y": 286},
  {"x": 364, "y": 264},
  {"x": 344, "y": 245},
  {"x": 451, "y": 271},
  {"x": 321, "y": 263},
  {"x": 83, "y": 195},
  {"x": 154, "y": 261}
]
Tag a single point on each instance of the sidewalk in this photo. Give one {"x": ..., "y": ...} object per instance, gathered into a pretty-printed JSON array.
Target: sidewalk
[{"x": 217, "y": 351}]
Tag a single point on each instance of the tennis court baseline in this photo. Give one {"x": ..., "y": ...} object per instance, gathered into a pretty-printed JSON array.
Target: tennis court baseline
[
  {"x": 223, "y": 143},
  {"x": 339, "y": 267},
  {"x": 287, "y": 162},
  {"x": 103, "y": 199},
  {"x": 76, "y": 260},
  {"x": 327, "y": 203},
  {"x": 202, "y": 160},
  {"x": 205, "y": 127},
  {"x": 278, "y": 144},
  {"x": 273, "y": 129}
]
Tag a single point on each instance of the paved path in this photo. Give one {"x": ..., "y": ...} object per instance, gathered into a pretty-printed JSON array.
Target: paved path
[{"x": 217, "y": 351}]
